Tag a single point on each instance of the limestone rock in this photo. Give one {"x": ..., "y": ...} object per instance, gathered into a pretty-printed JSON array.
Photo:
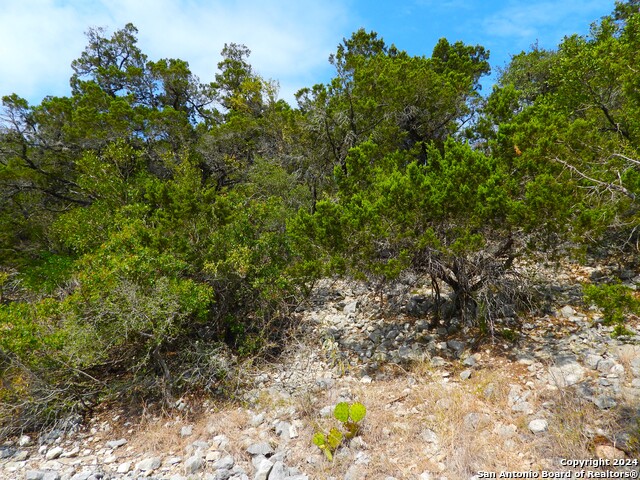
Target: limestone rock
[
  {"x": 568, "y": 372},
  {"x": 34, "y": 475},
  {"x": 149, "y": 464},
  {"x": 21, "y": 456},
  {"x": 278, "y": 472},
  {"x": 607, "y": 451},
  {"x": 84, "y": 475},
  {"x": 124, "y": 467},
  {"x": 283, "y": 429},
  {"x": 193, "y": 464},
  {"x": 263, "y": 468},
  {"x": 604, "y": 402},
  {"x": 538, "y": 426},
  {"x": 113, "y": 444},
  {"x": 262, "y": 448},
  {"x": 54, "y": 453},
  {"x": 225, "y": 463}
]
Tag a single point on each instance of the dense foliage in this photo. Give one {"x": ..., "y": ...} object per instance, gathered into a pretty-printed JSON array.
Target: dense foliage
[{"x": 153, "y": 227}]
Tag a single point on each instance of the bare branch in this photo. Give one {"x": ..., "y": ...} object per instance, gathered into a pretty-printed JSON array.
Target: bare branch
[
  {"x": 606, "y": 185},
  {"x": 624, "y": 157}
]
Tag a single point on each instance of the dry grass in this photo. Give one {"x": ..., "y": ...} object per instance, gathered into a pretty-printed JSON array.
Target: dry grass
[
  {"x": 625, "y": 354},
  {"x": 568, "y": 436},
  {"x": 417, "y": 421},
  {"x": 407, "y": 413},
  {"x": 162, "y": 434}
]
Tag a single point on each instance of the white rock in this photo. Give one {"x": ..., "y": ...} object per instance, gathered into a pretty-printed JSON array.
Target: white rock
[
  {"x": 149, "y": 464},
  {"x": 523, "y": 407},
  {"x": 84, "y": 475},
  {"x": 326, "y": 411},
  {"x": 192, "y": 464},
  {"x": 71, "y": 453},
  {"x": 262, "y": 448},
  {"x": 257, "y": 420},
  {"x": 618, "y": 369},
  {"x": 538, "y": 425},
  {"x": 567, "y": 311},
  {"x": 293, "y": 430},
  {"x": 220, "y": 441},
  {"x": 283, "y": 429},
  {"x": 124, "y": 467},
  {"x": 263, "y": 468},
  {"x": 54, "y": 453},
  {"x": 350, "y": 307},
  {"x": 20, "y": 456},
  {"x": 213, "y": 456},
  {"x": 34, "y": 475},
  {"x": 24, "y": 441},
  {"x": 225, "y": 463},
  {"x": 566, "y": 375},
  {"x": 116, "y": 443},
  {"x": 505, "y": 431}
]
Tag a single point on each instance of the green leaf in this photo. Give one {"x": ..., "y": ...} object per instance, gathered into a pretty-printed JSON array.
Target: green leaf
[
  {"x": 327, "y": 453},
  {"x": 357, "y": 411},
  {"x": 319, "y": 440},
  {"x": 341, "y": 412},
  {"x": 334, "y": 438}
]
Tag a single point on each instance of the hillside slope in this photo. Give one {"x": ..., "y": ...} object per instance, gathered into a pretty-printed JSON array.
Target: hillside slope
[{"x": 440, "y": 403}]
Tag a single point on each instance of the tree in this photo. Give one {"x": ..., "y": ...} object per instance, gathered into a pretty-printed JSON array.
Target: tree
[
  {"x": 126, "y": 245},
  {"x": 384, "y": 95},
  {"x": 573, "y": 114},
  {"x": 115, "y": 64},
  {"x": 458, "y": 219}
]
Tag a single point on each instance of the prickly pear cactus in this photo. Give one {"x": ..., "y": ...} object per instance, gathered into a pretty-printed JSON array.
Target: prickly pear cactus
[
  {"x": 357, "y": 412},
  {"x": 349, "y": 416},
  {"x": 341, "y": 412}
]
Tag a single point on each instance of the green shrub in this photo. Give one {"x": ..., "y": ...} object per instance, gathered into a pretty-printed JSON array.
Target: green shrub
[{"x": 616, "y": 301}]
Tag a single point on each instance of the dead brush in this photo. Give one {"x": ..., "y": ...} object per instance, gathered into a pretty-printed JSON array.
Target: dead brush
[
  {"x": 569, "y": 435},
  {"x": 464, "y": 427},
  {"x": 626, "y": 354},
  {"x": 156, "y": 435}
]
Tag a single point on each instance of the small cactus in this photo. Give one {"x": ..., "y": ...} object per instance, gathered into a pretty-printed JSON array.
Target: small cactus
[
  {"x": 350, "y": 416},
  {"x": 330, "y": 443}
]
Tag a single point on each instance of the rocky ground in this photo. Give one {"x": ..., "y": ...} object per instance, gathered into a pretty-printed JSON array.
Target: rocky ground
[{"x": 441, "y": 405}]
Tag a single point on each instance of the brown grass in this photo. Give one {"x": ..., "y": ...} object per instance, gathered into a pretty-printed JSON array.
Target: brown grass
[
  {"x": 400, "y": 414},
  {"x": 472, "y": 421}
]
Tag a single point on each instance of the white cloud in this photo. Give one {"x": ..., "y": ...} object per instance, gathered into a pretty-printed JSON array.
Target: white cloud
[
  {"x": 551, "y": 20},
  {"x": 290, "y": 40},
  {"x": 38, "y": 40}
]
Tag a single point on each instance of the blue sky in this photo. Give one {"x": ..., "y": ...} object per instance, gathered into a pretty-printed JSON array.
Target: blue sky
[{"x": 290, "y": 39}]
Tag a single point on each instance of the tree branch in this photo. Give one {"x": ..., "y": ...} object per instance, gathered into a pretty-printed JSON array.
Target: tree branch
[{"x": 606, "y": 185}]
